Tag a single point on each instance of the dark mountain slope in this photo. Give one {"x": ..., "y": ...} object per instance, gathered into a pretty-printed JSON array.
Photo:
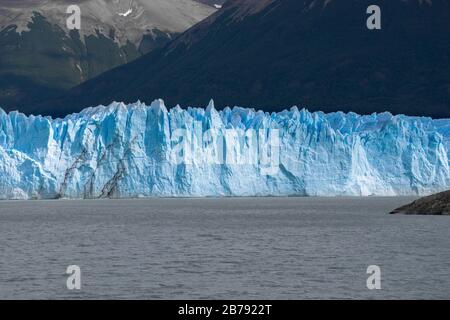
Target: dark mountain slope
[
  {"x": 277, "y": 53},
  {"x": 45, "y": 60},
  {"x": 40, "y": 57}
]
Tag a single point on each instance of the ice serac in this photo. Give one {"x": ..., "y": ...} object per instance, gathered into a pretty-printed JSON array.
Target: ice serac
[{"x": 121, "y": 151}]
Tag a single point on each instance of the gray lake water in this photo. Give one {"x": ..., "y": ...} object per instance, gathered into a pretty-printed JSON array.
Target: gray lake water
[{"x": 267, "y": 248}]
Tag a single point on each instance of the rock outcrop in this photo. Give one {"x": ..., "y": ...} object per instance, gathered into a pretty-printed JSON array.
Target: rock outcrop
[{"x": 436, "y": 204}]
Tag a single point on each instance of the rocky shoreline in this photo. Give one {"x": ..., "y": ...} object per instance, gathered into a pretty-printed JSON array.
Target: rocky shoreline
[{"x": 436, "y": 204}]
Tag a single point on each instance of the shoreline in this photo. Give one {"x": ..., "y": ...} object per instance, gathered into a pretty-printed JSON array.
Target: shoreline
[{"x": 212, "y": 198}]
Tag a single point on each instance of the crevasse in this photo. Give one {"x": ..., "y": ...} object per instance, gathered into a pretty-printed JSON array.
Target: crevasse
[{"x": 122, "y": 151}]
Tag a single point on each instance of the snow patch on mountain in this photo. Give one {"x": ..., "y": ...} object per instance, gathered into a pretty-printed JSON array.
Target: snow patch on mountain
[{"x": 138, "y": 17}]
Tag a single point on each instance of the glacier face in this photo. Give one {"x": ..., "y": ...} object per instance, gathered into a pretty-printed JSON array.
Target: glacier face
[{"x": 120, "y": 151}]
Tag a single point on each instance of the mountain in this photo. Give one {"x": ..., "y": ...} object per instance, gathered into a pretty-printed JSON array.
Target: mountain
[
  {"x": 271, "y": 53},
  {"x": 124, "y": 151},
  {"x": 213, "y": 3},
  {"x": 40, "y": 57}
]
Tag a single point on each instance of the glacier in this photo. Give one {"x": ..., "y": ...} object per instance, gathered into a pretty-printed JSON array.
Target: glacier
[{"x": 131, "y": 151}]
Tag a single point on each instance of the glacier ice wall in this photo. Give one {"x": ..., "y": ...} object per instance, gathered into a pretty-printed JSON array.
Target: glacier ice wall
[{"x": 127, "y": 151}]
